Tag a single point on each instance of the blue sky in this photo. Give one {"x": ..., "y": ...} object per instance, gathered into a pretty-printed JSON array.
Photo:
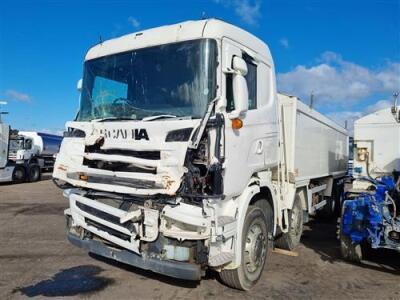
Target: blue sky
[{"x": 346, "y": 52}]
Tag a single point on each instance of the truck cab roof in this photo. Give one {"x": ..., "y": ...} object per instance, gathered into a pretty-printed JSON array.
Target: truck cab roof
[{"x": 189, "y": 30}]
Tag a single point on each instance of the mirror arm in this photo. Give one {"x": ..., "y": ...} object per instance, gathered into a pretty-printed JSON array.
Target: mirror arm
[{"x": 230, "y": 71}]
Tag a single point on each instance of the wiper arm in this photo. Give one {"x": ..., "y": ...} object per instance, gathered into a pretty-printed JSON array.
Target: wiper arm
[
  {"x": 194, "y": 143},
  {"x": 114, "y": 119},
  {"x": 151, "y": 118}
]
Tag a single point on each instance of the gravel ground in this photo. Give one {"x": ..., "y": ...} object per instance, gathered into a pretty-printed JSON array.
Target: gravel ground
[{"x": 37, "y": 261}]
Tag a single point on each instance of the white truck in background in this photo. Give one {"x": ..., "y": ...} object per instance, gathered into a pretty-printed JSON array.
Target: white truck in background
[
  {"x": 24, "y": 155},
  {"x": 377, "y": 143},
  {"x": 184, "y": 157},
  {"x": 370, "y": 216}
]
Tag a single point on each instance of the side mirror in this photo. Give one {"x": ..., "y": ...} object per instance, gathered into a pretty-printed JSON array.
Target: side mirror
[
  {"x": 79, "y": 85},
  {"x": 239, "y": 85}
]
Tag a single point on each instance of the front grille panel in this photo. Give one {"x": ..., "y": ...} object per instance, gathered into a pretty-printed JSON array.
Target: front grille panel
[
  {"x": 127, "y": 182},
  {"x": 105, "y": 216},
  {"x": 117, "y": 166},
  {"x": 151, "y": 155},
  {"x": 111, "y": 231}
]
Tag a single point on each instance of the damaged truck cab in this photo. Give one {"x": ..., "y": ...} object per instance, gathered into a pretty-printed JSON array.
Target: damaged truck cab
[{"x": 172, "y": 164}]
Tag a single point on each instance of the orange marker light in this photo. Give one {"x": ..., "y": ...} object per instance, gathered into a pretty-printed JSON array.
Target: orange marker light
[
  {"x": 237, "y": 123},
  {"x": 83, "y": 177}
]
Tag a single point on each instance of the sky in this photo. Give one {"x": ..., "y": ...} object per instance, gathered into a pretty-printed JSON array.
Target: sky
[{"x": 345, "y": 53}]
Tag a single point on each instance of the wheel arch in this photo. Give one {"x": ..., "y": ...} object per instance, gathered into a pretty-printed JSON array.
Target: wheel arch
[
  {"x": 265, "y": 194},
  {"x": 252, "y": 193}
]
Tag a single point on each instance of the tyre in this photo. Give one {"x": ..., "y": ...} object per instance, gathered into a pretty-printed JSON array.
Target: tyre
[
  {"x": 331, "y": 210},
  {"x": 34, "y": 173},
  {"x": 327, "y": 212},
  {"x": 19, "y": 174},
  {"x": 254, "y": 251},
  {"x": 291, "y": 239},
  {"x": 339, "y": 195},
  {"x": 349, "y": 251}
]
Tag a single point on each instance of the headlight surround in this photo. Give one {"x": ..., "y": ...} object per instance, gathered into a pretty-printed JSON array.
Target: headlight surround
[
  {"x": 179, "y": 135},
  {"x": 73, "y": 132}
]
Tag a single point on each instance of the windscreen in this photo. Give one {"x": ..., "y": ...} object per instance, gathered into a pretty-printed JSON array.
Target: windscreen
[
  {"x": 176, "y": 79},
  {"x": 16, "y": 144}
]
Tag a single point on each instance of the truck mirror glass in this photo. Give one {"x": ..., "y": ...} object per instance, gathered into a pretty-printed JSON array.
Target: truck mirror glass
[
  {"x": 79, "y": 85},
  {"x": 240, "y": 96}
]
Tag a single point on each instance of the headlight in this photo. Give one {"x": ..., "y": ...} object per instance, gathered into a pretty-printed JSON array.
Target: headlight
[
  {"x": 73, "y": 132},
  {"x": 180, "y": 135}
]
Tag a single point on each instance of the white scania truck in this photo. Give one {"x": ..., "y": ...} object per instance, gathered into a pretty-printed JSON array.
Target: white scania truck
[
  {"x": 183, "y": 156},
  {"x": 25, "y": 154}
]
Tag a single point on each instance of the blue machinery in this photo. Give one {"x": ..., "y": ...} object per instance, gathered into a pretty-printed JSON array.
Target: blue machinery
[{"x": 371, "y": 217}]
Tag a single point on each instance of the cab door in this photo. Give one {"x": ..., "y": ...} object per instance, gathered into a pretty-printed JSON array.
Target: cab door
[{"x": 253, "y": 147}]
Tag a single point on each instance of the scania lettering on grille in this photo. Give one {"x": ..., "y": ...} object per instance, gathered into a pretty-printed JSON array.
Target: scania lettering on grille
[{"x": 135, "y": 134}]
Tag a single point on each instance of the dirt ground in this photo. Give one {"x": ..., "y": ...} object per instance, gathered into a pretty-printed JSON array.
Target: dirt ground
[{"x": 37, "y": 261}]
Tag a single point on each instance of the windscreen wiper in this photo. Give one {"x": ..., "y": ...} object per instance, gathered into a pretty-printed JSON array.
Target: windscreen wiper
[
  {"x": 111, "y": 119},
  {"x": 151, "y": 118}
]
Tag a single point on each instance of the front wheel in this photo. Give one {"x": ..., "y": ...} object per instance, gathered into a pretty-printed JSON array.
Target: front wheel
[
  {"x": 254, "y": 251},
  {"x": 19, "y": 174}
]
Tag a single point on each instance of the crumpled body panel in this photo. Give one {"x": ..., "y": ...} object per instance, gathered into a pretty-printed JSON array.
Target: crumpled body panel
[{"x": 129, "y": 157}]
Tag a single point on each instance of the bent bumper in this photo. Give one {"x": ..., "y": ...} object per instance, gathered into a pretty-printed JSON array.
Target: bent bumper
[{"x": 174, "y": 269}]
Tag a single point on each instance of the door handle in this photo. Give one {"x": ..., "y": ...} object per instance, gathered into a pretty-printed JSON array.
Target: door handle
[{"x": 260, "y": 147}]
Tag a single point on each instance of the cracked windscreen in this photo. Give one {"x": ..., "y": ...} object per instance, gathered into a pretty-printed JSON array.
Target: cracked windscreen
[{"x": 176, "y": 79}]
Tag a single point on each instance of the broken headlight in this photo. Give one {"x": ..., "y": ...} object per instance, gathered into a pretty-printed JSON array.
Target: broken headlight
[
  {"x": 180, "y": 135},
  {"x": 73, "y": 132}
]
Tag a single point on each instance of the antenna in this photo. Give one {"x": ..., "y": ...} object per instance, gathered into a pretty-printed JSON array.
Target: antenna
[
  {"x": 312, "y": 99},
  {"x": 345, "y": 124},
  {"x": 395, "y": 110}
]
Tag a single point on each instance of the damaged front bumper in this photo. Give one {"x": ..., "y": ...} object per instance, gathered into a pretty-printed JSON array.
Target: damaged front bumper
[
  {"x": 181, "y": 270},
  {"x": 171, "y": 240}
]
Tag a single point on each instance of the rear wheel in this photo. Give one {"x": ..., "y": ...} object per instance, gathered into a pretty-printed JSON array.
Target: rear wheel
[
  {"x": 291, "y": 239},
  {"x": 34, "y": 173},
  {"x": 332, "y": 207},
  {"x": 327, "y": 212},
  {"x": 19, "y": 174},
  {"x": 254, "y": 251}
]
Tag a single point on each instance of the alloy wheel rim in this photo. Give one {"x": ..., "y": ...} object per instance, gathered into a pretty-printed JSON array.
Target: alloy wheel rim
[{"x": 255, "y": 248}]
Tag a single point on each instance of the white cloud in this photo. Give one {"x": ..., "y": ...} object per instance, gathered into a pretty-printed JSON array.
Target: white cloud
[
  {"x": 249, "y": 11},
  {"x": 336, "y": 81},
  {"x": 134, "y": 22},
  {"x": 18, "y": 96},
  {"x": 341, "y": 117},
  {"x": 390, "y": 77},
  {"x": 381, "y": 104},
  {"x": 284, "y": 43}
]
